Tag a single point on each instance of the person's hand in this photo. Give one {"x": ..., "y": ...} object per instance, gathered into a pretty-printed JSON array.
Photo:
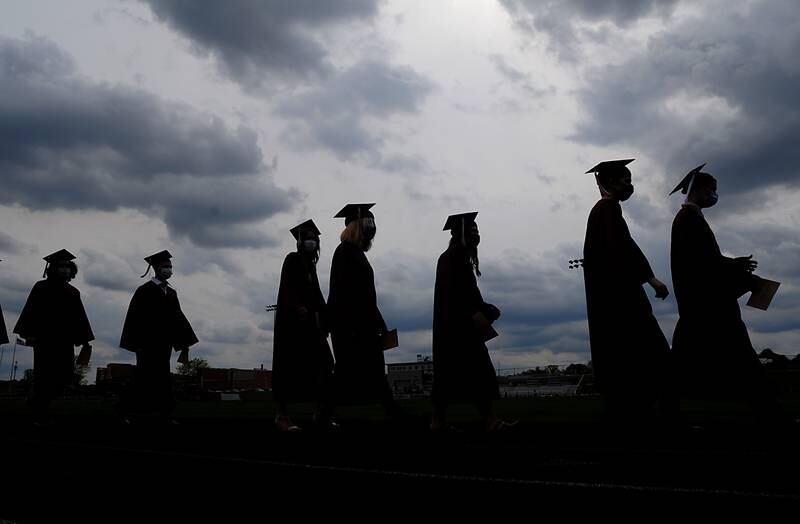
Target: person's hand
[
  {"x": 660, "y": 288},
  {"x": 746, "y": 263},
  {"x": 183, "y": 358}
]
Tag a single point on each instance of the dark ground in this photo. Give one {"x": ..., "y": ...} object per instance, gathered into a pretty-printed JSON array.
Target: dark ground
[{"x": 226, "y": 459}]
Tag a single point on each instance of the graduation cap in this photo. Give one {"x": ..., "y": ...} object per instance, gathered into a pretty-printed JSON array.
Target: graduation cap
[
  {"x": 155, "y": 259},
  {"x": 62, "y": 255},
  {"x": 609, "y": 166},
  {"x": 685, "y": 185},
  {"x": 352, "y": 212},
  {"x": 459, "y": 220},
  {"x": 307, "y": 225}
]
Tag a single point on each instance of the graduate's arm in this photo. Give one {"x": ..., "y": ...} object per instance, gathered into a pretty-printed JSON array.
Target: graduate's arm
[
  {"x": 610, "y": 244},
  {"x": 380, "y": 322},
  {"x": 26, "y": 326},
  {"x": 643, "y": 273},
  {"x": 131, "y": 337},
  {"x": 639, "y": 265},
  {"x": 738, "y": 274},
  {"x": 184, "y": 334},
  {"x": 290, "y": 297},
  {"x": 471, "y": 299},
  {"x": 83, "y": 329}
]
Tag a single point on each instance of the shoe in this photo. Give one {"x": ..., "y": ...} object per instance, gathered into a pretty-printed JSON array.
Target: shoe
[{"x": 286, "y": 424}]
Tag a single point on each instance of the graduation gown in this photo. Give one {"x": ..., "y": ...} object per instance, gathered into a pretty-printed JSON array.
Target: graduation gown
[
  {"x": 356, "y": 325},
  {"x": 3, "y": 332},
  {"x": 302, "y": 365},
  {"x": 629, "y": 350},
  {"x": 154, "y": 326},
  {"x": 55, "y": 320},
  {"x": 711, "y": 347},
  {"x": 462, "y": 369}
]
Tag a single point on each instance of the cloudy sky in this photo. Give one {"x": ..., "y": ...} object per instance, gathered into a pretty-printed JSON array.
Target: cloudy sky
[{"x": 211, "y": 128}]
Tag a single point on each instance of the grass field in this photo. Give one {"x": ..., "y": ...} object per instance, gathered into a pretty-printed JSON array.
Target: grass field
[
  {"x": 543, "y": 410},
  {"x": 228, "y": 456}
]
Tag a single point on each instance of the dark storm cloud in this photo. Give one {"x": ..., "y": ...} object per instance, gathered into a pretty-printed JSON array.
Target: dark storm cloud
[
  {"x": 67, "y": 143},
  {"x": 720, "y": 89},
  {"x": 560, "y": 21},
  {"x": 106, "y": 271},
  {"x": 258, "y": 42},
  {"x": 336, "y": 115}
]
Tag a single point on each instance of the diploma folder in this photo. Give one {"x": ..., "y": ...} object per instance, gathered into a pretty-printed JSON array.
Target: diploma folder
[
  {"x": 389, "y": 340},
  {"x": 762, "y": 295}
]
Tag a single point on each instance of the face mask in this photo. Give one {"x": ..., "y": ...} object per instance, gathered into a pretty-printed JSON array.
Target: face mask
[
  {"x": 712, "y": 199},
  {"x": 309, "y": 246},
  {"x": 65, "y": 273},
  {"x": 625, "y": 192},
  {"x": 164, "y": 274}
]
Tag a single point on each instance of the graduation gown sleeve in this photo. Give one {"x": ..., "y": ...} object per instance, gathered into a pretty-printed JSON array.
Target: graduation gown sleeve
[
  {"x": 29, "y": 321},
  {"x": 3, "y": 332}
]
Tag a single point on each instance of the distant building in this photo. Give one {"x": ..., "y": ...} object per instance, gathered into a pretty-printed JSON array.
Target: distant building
[
  {"x": 113, "y": 376},
  {"x": 411, "y": 379},
  {"x": 114, "y": 373},
  {"x": 220, "y": 379},
  {"x": 541, "y": 385}
]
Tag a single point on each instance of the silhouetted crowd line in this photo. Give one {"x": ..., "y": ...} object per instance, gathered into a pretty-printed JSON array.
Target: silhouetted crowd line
[{"x": 711, "y": 355}]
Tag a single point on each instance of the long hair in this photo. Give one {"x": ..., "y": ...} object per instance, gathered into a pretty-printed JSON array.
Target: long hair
[
  {"x": 459, "y": 243},
  {"x": 354, "y": 234}
]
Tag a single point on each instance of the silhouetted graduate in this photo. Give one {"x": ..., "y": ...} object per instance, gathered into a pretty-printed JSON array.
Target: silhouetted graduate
[
  {"x": 302, "y": 364},
  {"x": 155, "y": 326},
  {"x": 463, "y": 371},
  {"x": 356, "y": 322},
  {"x": 629, "y": 350},
  {"x": 53, "y": 321},
  {"x": 711, "y": 347},
  {"x": 3, "y": 332}
]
